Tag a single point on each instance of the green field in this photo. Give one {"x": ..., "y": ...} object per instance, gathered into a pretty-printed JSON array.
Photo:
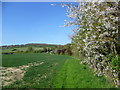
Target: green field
[
  {"x": 57, "y": 71},
  {"x": 19, "y": 49}
]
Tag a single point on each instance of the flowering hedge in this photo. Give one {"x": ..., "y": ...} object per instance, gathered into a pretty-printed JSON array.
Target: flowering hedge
[{"x": 96, "y": 36}]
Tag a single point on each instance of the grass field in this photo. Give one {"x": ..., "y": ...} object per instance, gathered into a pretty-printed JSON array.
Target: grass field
[
  {"x": 19, "y": 49},
  {"x": 24, "y": 58},
  {"x": 57, "y": 71}
]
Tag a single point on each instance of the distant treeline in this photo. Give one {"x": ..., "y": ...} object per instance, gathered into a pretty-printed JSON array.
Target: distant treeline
[
  {"x": 30, "y": 44},
  {"x": 41, "y": 48}
]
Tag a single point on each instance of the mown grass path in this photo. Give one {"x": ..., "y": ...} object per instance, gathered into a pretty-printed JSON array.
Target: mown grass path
[{"x": 75, "y": 75}]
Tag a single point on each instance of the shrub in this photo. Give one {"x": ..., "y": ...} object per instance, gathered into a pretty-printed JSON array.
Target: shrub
[
  {"x": 96, "y": 35},
  {"x": 115, "y": 62},
  {"x": 14, "y": 49},
  {"x": 44, "y": 49},
  {"x": 30, "y": 49}
]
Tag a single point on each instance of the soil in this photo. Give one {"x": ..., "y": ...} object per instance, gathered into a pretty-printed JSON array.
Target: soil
[{"x": 12, "y": 74}]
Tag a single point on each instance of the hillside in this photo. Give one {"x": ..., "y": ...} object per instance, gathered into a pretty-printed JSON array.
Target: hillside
[
  {"x": 30, "y": 45},
  {"x": 24, "y": 47}
]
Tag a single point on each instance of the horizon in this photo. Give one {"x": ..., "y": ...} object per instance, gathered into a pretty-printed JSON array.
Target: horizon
[
  {"x": 34, "y": 22},
  {"x": 32, "y": 43}
]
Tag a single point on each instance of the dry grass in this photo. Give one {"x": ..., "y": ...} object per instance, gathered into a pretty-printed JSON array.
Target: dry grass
[{"x": 12, "y": 74}]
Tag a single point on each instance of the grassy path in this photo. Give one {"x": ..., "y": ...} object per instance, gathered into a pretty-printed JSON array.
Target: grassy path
[{"x": 75, "y": 75}]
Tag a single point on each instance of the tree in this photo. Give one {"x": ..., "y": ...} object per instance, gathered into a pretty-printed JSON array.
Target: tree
[
  {"x": 30, "y": 49},
  {"x": 44, "y": 49},
  {"x": 96, "y": 35}
]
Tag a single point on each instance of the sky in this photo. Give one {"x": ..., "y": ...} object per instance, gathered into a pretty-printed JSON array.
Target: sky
[{"x": 34, "y": 22}]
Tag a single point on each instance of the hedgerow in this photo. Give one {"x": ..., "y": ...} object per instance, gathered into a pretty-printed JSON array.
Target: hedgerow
[{"x": 97, "y": 36}]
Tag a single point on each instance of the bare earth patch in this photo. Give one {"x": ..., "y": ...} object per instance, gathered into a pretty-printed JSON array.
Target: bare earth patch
[{"x": 12, "y": 74}]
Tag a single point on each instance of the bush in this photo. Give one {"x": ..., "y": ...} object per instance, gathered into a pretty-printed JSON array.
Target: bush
[
  {"x": 44, "y": 50},
  {"x": 14, "y": 49},
  {"x": 30, "y": 49},
  {"x": 38, "y": 51},
  {"x": 114, "y": 61}
]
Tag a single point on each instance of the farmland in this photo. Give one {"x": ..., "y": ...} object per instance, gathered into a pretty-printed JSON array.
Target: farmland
[
  {"x": 24, "y": 47},
  {"x": 91, "y": 59},
  {"x": 41, "y": 70}
]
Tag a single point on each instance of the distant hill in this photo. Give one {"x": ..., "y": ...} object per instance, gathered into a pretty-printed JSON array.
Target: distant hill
[{"x": 31, "y": 45}]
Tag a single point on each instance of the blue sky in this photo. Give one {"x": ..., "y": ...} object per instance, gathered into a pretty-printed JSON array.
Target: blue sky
[{"x": 34, "y": 22}]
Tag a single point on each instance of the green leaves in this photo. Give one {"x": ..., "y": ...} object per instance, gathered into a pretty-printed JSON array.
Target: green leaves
[{"x": 96, "y": 28}]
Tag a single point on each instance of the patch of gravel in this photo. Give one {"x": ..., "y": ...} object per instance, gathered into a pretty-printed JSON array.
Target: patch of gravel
[{"x": 12, "y": 74}]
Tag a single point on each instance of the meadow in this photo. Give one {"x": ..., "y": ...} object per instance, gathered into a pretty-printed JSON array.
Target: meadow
[{"x": 54, "y": 71}]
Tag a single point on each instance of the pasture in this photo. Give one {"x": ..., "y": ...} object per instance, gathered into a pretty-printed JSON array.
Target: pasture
[{"x": 40, "y": 70}]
